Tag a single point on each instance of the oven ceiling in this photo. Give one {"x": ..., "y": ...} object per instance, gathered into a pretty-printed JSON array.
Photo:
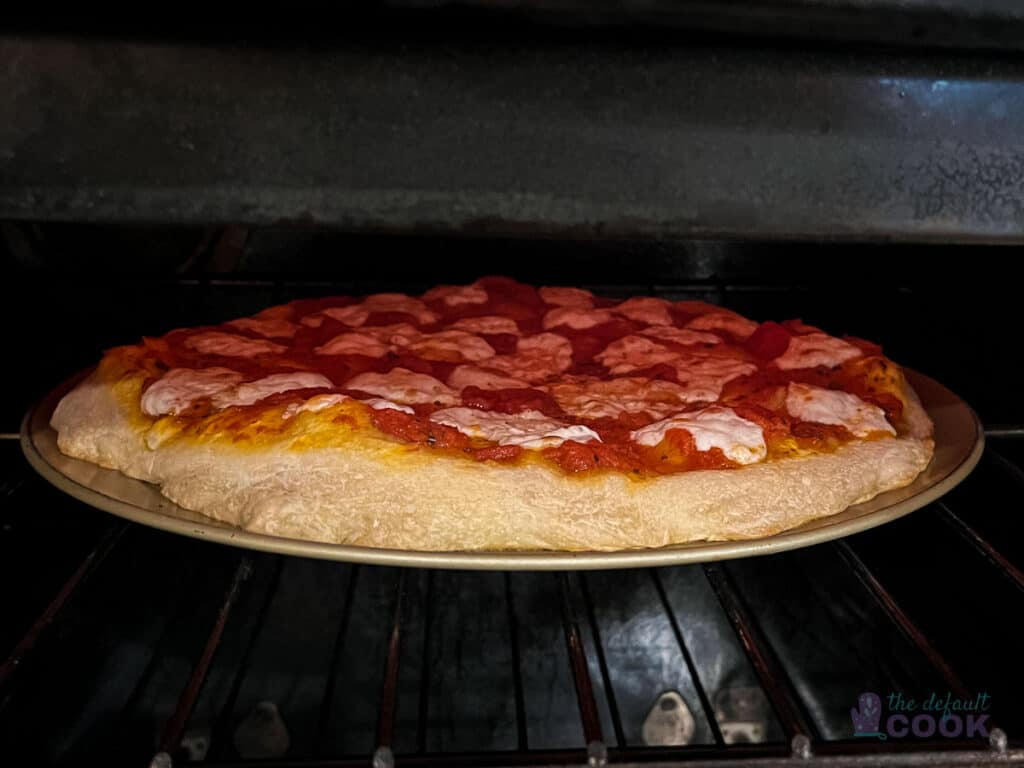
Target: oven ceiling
[{"x": 577, "y": 132}]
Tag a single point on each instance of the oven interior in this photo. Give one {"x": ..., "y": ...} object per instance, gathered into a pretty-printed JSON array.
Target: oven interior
[{"x": 125, "y": 645}]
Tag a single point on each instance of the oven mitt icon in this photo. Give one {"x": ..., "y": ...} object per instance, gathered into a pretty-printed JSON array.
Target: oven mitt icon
[{"x": 866, "y": 717}]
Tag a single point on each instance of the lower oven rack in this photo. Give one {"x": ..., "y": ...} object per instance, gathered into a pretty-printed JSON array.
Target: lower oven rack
[{"x": 256, "y": 579}]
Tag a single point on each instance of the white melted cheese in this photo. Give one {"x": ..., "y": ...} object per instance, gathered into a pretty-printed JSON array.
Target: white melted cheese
[
  {"x": 401, "y": 385},
  {"x": 529, "y": 429},
  {"x": 273, "y": 327},
  {"x": 454, "y": 295},
  {"x": 683, "y": 336},
  {"x": 355, "y": 343},
  {"x": 633, "y": 353},
  {"x": 703, "y": 376},
  {"x": 738, "y": 326},
  {"x": 492, "y": 324},
  {"x": 826, "y": 406},
  {"x": 576, "y": 317},
  {"x": 558, "y": 296},
  {"x": 377, "y": 341},
  {"x": 179, "y": 388},
  {"x": 356, "y": 314},
  {"x": 380, "y": 404},
  {"x": 253, "y": 391},
  {"x": 470, "y": 376},
  {"x": 451, "y": 346},
  {"x": 816, "y": 349},
  {"x": 231, "y": 345},
  {"x": 646, "y": 309},
  {"x": 592, "y": 398},
  {"x": 740, "y": 440},
  {"x": 313, "y": 405},
  {"x": 536, "y": 358}
]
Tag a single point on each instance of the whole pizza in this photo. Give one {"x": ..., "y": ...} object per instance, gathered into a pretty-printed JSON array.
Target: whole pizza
[{"x": 500, "y": 416}]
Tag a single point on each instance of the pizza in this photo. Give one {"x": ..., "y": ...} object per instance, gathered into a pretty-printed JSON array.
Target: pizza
[{"x": 500, "y": 416}]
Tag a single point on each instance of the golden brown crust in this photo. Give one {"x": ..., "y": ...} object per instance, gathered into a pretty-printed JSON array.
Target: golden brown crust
[{"x": 360, "y": 488}]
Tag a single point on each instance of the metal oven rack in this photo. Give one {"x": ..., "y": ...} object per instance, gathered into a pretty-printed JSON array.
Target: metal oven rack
[{"x": 239, "y": 605}]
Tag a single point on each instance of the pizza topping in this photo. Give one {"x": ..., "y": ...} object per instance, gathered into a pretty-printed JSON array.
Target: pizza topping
[
  {"x": 254, "y": 391},
  {"x": 490, "y": 368},
  {"x": 177, "y": 389},
  {"x": 826, "y": 406},
  {"x": 489, "y": 324},
  {"x": 703, "y": 376},
  {"x": 403, "y": 386},
  {"x": 592, "y": 398},
  {"x": 453, "y": 346},
  {"x": 634, "y": 353},
  {"x": 646, "y": 309},
  {"x": 738, "y": 326},
  {"x": 313, "y": 405},
  {"x": 558, "y": 296},
  {"x": 356, "y": 343},
  {"x": 576, "y": 317},
  {"x": 380, "y": 404},
  {"x": 470, "y": 376},
  {"x": 816, "y": 349},
  {"x": 454, "y": 295},
  {"x": 357, "y": 314},
  {"x": 740, "y": 440},
  {"x": 529, "y": 429},
  {"x": 536, "y": 358},
  {"x": 275, "y": 328},
  {"x": 232, "y": 345},
  {"x": 684, "y": 336},
  {"x": 769, "y": 341}
]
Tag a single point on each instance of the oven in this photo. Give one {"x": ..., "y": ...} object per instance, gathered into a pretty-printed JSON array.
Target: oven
[{"x": 855, "y": 164}]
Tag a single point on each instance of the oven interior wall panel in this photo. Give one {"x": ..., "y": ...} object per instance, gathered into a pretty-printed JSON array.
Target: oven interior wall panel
[{"x": 484, "y": 664}]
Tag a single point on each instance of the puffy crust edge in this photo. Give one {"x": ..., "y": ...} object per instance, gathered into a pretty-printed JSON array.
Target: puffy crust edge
[{"x": 361, "y": 493}]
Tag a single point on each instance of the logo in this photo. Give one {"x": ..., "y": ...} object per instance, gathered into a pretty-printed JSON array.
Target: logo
[{"x": 938, "y": 715}]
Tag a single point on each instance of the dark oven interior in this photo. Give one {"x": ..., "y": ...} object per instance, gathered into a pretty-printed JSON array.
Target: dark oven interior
[{"x": 852, "y": 164}]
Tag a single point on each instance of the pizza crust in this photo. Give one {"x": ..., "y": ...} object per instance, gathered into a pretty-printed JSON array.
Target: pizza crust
[{"x": 380, "y": 494}]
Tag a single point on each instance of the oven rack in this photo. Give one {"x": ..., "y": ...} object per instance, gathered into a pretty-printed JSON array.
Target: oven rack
[{"x": 254, "y": 579}]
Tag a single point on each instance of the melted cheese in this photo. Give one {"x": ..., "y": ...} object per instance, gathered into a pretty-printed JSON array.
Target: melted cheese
[
  {"x": 529, "y": 429},
  {"x": 825, "y": 406},
  {"x": 576, "y": 317},
  {"x": 592, "y": 398},
  {"x": 377, "y": 341},
  {"x": 646, "y": 309},
  {"x": 401, "y": 385},
  {"x": 738, "y": 326},
  {"x": 558, "y": 296},
  {"x": 703, "y": 376},
  {"x": 356, "y": 314},
  {"x": 470, "y": 376},
  {"x": 451, "y": 346},
  {"x": 254, "y": 391},
  {"x": 313, "y": 405},
  {"x": 380, "y": 404},
  {"x": 816, "y": 349},
  {"x": 740, "y": 440},
  {"x": 684, "y": 336},
  {"x": 454, "y": 295},
  {"x": 277, "y": 328},
  {"x": 633, "y": 353},
  {"x": 487, "y": 324},
  {"x": 231, "y": 345},
  {"x": 536, "y": 358},
  {"x": 355, "y": 343},
  {"x": 177, "y": 389}
]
